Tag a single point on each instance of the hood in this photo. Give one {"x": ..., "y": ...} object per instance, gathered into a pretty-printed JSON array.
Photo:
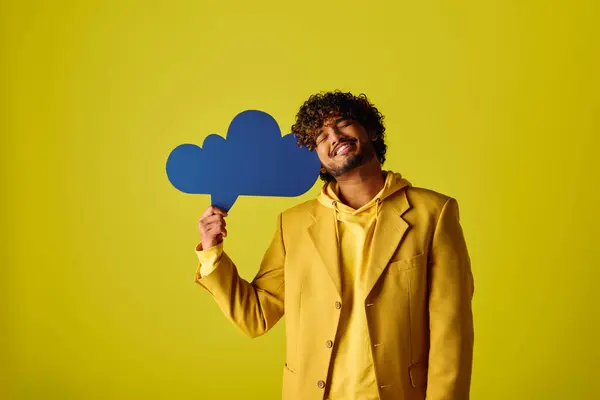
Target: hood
[{"x": 329, "y": 195}]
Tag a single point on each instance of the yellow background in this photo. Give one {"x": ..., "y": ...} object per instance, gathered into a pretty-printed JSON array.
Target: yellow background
[{"x": 493, "y": 102}]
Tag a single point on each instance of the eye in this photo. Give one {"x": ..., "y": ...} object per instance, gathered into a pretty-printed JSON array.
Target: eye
[
  {"x": 344, "y": 124},
  {"x": 321, "y": 138}
]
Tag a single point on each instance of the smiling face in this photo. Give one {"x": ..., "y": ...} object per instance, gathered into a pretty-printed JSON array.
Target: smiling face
[{"x": 342, "y": 145}]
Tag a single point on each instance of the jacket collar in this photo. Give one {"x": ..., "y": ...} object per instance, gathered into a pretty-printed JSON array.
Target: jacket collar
[{"x": 390, "y": 229}]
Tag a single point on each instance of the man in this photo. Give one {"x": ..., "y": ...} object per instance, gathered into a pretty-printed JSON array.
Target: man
[{"x": 373, "y": 276}]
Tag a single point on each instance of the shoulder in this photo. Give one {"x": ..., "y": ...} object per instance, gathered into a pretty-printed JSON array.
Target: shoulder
[
  {"x": 300, "y": 212},
  {"x": 429, "y": 203},
  {"x": 426, "y": 198},
  {"x": 296, "y": 219}
]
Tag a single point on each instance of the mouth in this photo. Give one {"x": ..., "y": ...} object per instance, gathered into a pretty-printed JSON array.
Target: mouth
[{"x": 342, "y": 148}]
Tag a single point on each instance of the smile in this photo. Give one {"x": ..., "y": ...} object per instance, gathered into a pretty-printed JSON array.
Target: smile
[{"x": 342, "y": 149}]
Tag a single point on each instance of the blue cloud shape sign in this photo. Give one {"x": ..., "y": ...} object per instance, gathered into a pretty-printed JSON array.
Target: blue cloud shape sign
[{"x": 254, "y": 160}]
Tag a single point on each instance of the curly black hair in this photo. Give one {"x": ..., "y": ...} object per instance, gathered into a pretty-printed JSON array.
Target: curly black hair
[{"x": 321, "y": 106}]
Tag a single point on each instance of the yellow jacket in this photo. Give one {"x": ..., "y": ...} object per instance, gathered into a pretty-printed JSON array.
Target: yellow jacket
[{"x": 418, "y": 289}]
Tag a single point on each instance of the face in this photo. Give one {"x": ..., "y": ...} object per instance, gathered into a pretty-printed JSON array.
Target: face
[{"x": 342, "y": 145}]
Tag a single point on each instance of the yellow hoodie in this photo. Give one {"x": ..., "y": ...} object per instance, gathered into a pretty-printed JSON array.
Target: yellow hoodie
[{"x": 353, "y": 375}]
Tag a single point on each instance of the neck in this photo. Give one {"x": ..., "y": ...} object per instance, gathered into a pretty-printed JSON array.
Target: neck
[{"x": 359, "y": 186}]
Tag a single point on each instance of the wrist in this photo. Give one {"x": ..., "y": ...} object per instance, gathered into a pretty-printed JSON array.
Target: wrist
[{"x": 208, "y": 244}]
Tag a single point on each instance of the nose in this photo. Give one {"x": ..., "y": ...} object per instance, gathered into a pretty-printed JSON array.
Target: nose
[
  {"x": 335, "y": 136},
  {"x": 335, "y": 132}
]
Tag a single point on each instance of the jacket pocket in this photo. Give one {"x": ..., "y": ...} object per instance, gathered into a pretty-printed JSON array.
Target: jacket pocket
[
  {"x": 408, "y": 263},
  {"x": 289, "y": 369},
  {"x": 418, "y": 374}
]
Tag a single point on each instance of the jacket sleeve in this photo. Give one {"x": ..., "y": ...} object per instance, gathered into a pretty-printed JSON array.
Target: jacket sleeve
[
  {"x": 451, "y": 319},
  {"x": 208, "y": 259},
  {"x": 256, "y": 306}
]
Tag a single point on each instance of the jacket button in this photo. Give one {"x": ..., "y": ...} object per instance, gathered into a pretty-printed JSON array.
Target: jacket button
[
  {"x": 321, "y": 384},
  {"x": 329, "y": 344},
  {"x": 338, "y": 305}
]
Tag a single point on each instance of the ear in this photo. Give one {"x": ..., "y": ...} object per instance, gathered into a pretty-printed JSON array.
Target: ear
[{"x": 372, "y": 135}]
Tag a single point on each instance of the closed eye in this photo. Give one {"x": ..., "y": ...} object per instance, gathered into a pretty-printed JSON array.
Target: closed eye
[{"x": 321, "y": 138}]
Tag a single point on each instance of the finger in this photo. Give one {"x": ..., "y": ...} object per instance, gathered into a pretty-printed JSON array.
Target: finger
[
  {"x": 214, "y": 226},
  {"x": 217, "y": 210},
  {"x": 212, "y": 229},
  {"x": 212, "y": 219},
  {"x": 207, "y": 212},
  {"x": 209, "y": 221},
  {"x": 216, "y": 230},
  {"x": 214, "y": 210}
]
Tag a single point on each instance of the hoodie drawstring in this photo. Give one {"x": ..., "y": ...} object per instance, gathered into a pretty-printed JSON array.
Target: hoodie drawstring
[{"x": 335, "y": 217}]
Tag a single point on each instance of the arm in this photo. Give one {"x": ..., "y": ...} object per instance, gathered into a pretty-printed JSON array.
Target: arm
[
  {"x": 254, "y": 307},
  {"x": 451, "y": 319}
]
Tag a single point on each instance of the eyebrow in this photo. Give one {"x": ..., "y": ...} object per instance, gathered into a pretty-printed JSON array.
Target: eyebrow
[{"x": 336, "y": 122}]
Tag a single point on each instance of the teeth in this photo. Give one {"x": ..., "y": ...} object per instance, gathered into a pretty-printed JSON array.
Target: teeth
[{"x": 341, "y": 148}]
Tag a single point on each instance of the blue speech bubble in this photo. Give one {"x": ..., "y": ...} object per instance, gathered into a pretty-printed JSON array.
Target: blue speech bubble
[{"x": 254, "y": 160}]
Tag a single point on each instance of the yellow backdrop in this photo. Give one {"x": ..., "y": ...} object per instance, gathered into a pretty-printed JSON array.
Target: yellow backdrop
[{"x": 493, "y": 102}]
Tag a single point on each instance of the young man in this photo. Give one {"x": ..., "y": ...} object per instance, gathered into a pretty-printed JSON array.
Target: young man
[{"x": 373, "y": 276}]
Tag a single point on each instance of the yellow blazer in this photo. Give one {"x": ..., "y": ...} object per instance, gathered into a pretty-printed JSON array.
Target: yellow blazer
[{"x": 418, "y": 308}]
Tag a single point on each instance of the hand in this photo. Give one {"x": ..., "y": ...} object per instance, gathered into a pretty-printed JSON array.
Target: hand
[{"x": 212, "y": 227}]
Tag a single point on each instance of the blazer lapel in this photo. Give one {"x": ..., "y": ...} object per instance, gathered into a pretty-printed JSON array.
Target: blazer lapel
[
  {"x": 322, "y": 234},
  {"x": 390, "y": 229}
]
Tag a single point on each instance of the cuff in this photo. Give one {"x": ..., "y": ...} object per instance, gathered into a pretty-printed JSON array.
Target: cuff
[{"x": 208, "y": 259}]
